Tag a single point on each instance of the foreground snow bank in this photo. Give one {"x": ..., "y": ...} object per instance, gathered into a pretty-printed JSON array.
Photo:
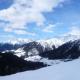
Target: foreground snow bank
[{"x": 63, "y": 71}]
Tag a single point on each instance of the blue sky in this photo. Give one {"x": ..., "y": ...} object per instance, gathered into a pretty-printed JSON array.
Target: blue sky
[{"x": 38, "y": 19}]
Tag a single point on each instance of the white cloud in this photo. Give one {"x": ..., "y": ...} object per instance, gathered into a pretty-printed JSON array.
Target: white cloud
[
  {"x": 24, "y": 32},
  {"x": 27, "y": 11},
  {"x": 49, "y": 28},
  {"x": 8, "y": 29}
]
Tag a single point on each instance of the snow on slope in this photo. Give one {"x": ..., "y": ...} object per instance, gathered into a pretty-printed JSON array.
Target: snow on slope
[
  {"x": 63, "y": 71},
  {"x": 50, "y": 42},
  {"x": 20, "y": 52},
  {"x": 57, "y": 41},
  {"x": 33, "y": 55},
  {"x": 35, "y": 58}
]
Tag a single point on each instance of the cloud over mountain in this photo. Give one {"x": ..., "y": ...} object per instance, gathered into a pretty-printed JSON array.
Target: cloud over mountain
[{"x": 20, "y": 13}]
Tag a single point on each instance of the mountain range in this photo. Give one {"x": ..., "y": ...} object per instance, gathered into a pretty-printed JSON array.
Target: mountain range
[{"x": 31, "y": 55}]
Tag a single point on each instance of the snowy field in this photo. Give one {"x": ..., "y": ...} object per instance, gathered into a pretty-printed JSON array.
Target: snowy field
[{"x": 63, "y": 71}]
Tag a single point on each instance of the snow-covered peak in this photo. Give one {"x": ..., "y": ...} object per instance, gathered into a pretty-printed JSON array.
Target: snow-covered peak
[
  {"x": 57, "y": 41},
  {"x": 19, "y": 41},
  {"x": 54, "y": 41}
]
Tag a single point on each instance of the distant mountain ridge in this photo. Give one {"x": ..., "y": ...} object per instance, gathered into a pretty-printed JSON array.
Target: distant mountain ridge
[
  {"x": 37, "y": 54},
  {"x": 35, "y": 50}
]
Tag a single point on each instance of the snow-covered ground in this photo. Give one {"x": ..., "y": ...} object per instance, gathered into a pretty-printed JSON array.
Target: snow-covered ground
[{"x": 63, "y": 71}]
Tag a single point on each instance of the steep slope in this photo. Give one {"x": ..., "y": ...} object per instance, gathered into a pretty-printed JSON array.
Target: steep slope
[
  {"x": 63, "y": 71},
  {"x": 32, "y": 50},
  {"x": 29, "y": 49},
  {"x": 10, "y": 64},
  {"x": 52, "y": 42},
  {"x": 69, "y": 50}
]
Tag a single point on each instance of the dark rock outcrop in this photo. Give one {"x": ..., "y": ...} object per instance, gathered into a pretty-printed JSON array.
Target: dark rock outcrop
[{"x": 10, "y": 64}]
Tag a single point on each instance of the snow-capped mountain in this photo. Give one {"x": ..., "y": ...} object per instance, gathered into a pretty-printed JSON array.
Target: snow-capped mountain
[
  {"x": 31, "y": 51},
  {"x": 13, "y": 45},
  {"x": 28, "y": 51},
  {"x": 48, "y": 44},
  {"x": 43, "y": 52},
  {"x": 51, "y": 42},
  {"x": 69, "y": 50},
  {"x": 59, "y": 40},
  {"x": 19, "y": 41}
]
